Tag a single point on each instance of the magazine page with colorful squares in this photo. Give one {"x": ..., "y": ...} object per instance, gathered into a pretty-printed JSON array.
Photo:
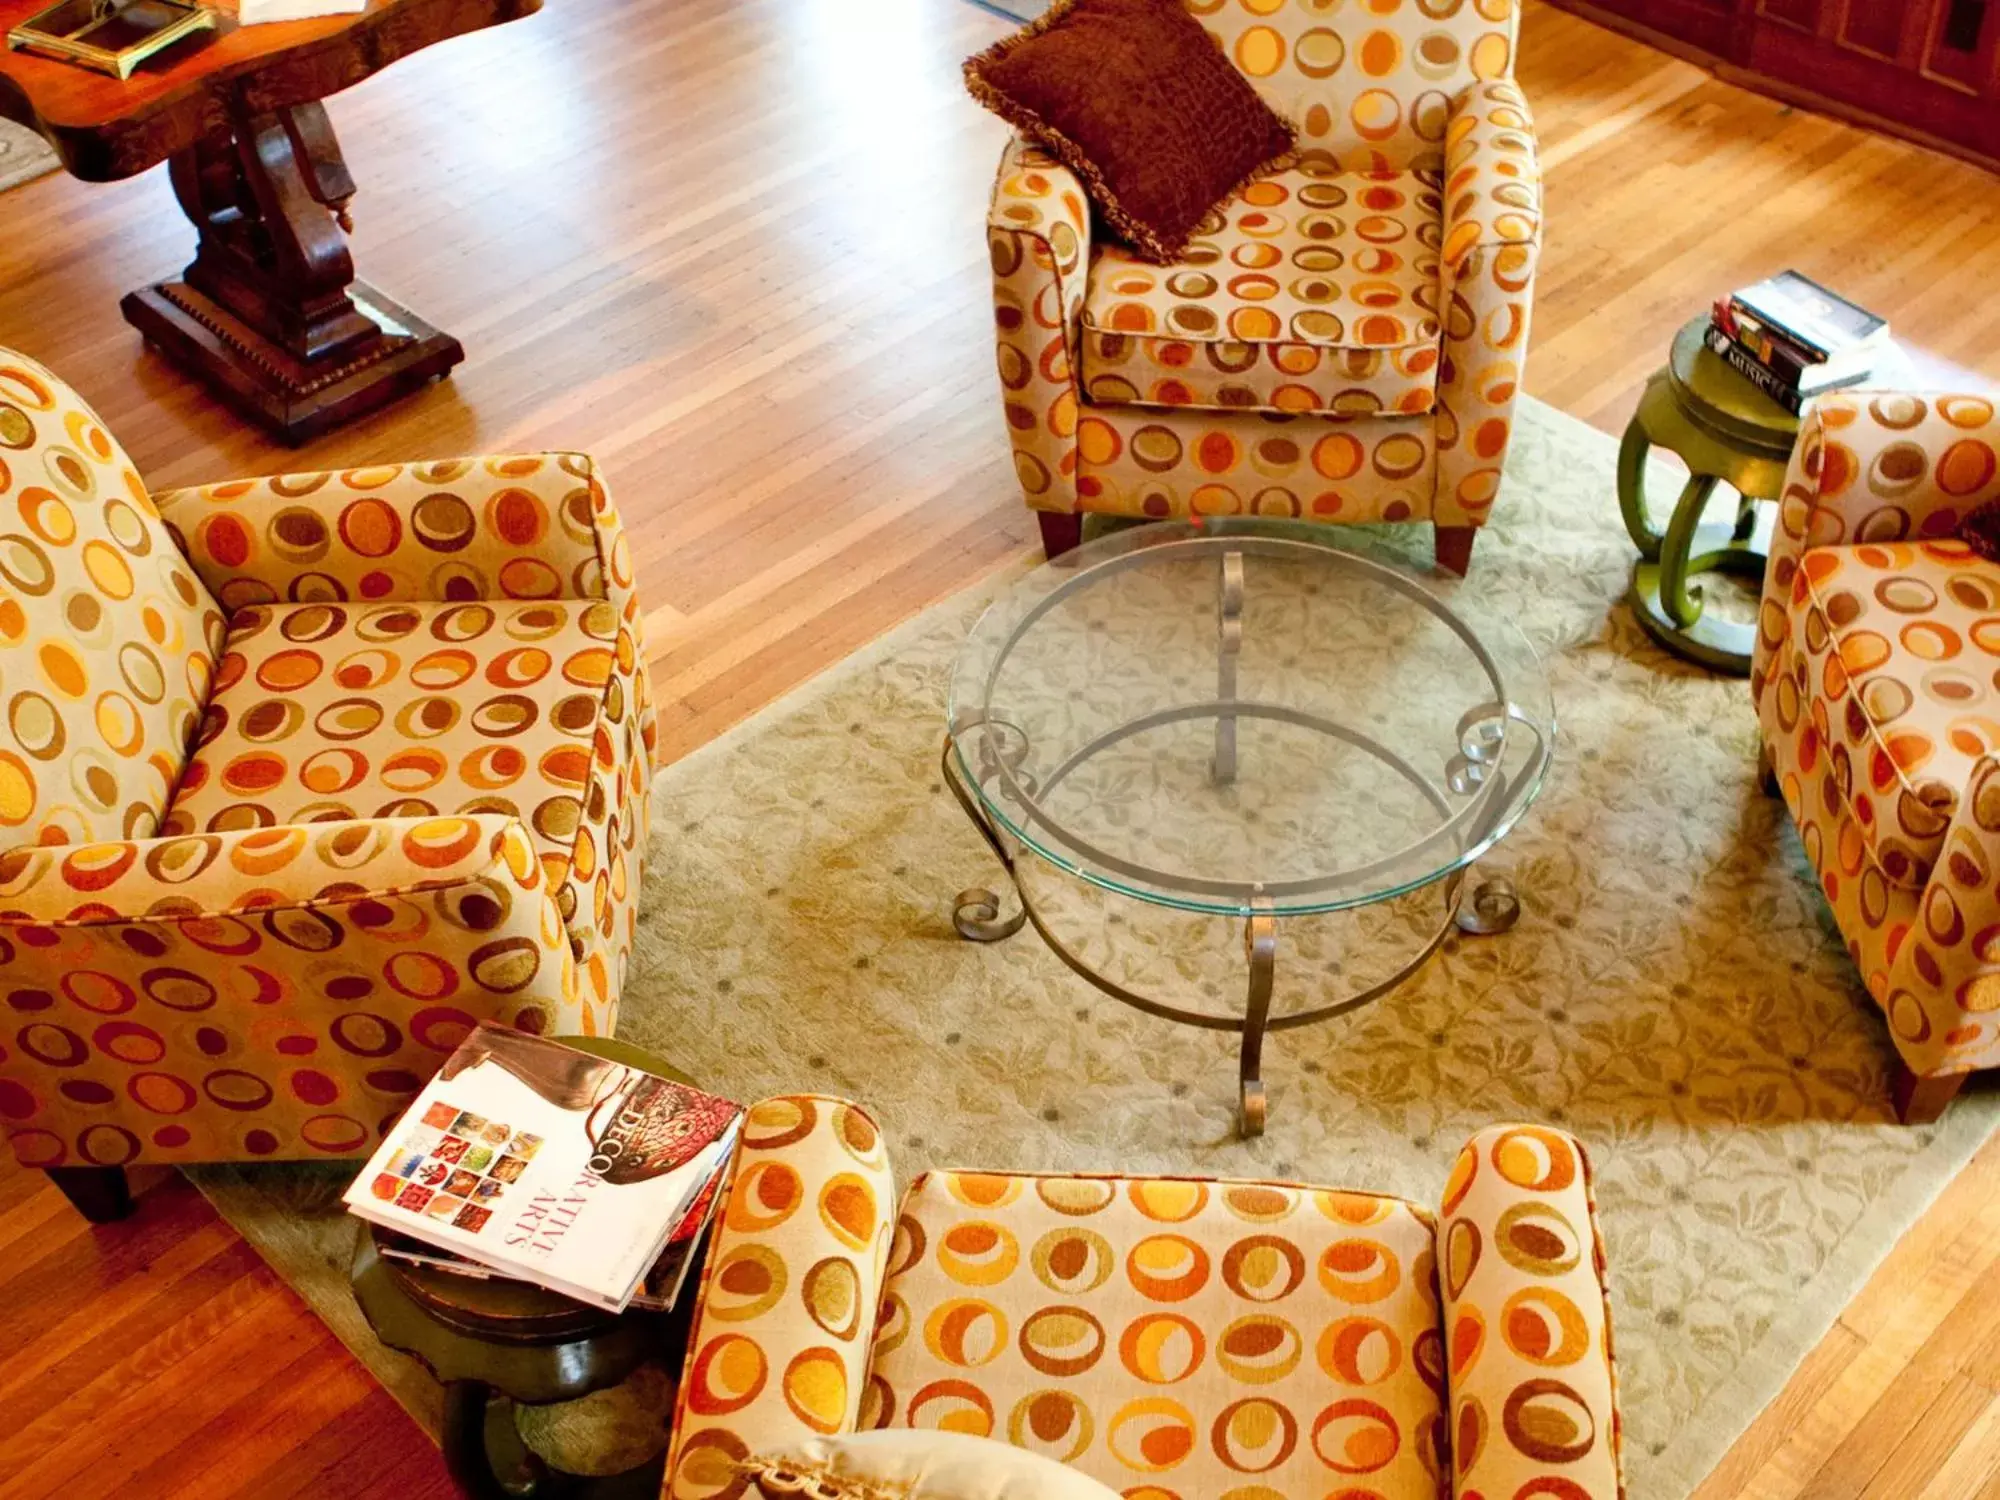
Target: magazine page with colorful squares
[
  {"x": 547, "y": 1164},
  {"x": 658, "y": 1290}
]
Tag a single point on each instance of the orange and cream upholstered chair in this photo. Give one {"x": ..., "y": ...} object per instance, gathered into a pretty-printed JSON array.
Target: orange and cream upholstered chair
[
  {"x": 1342, "y": 341},
  {"x": 1878, "y": 640},
  {"x": 299, "y": 778},
  {"x": 1173, "y": 1339}
]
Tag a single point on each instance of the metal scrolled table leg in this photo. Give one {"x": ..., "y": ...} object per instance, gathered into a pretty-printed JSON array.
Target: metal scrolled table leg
[
  {"x": 1493, "y": 907},
  {"x": 1228, "y": 647},
  {"x": 977, "y": 916},
  {"x": 1260, "y": 946},
  {"x": 976, "y": 912}
]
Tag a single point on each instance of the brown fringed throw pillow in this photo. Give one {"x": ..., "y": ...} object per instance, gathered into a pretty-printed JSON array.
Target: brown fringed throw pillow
[
  {"x": 1140, "y": 102},
  {"x": 1980, "y": 530}
]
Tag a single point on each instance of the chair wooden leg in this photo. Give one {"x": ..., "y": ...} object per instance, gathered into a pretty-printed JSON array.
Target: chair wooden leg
[
  {"x": 1920, "y": 1101},
  {"x": 1452, "y": 547},
  {"x": 1059, "y": 532},
  {"x": 1767, "y": 773},
  {"x": 100, "y": 1194}
]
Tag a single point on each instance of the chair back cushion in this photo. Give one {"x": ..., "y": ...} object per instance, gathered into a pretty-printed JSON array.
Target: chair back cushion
[
  {"x": 1170, "y": 1336},
  {"x": 1368, "y": 85},
  {"x": 107, "y": 638}
]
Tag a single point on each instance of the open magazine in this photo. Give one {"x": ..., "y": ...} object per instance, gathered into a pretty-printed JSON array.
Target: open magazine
[
  {"x": 540, "y": 1162},
  {"x": 658, "y": 1291}
]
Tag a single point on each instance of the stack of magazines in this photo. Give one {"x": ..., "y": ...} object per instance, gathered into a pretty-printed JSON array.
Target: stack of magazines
[
  {"x": 1793, "y": 339},
  {"x": 527, "y": 1159}
]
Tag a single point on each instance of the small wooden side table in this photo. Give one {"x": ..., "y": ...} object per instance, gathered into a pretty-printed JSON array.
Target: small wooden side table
[
  {"x": 1727, "y": 432},
  {"x": 269, "y": 311},
  {"x": 493, "y": 1344}
]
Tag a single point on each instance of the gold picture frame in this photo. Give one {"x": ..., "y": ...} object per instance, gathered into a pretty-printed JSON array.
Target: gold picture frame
[{"x": 109, "y": 36}]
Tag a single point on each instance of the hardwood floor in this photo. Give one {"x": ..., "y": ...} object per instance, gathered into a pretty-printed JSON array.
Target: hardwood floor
[{"x": 734, "y": 251}]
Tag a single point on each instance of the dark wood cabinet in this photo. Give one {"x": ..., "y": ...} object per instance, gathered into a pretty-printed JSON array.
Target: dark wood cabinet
[{"x": 1928, "y": 69}]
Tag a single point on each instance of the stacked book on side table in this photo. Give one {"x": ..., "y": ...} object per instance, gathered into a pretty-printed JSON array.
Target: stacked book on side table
[
  {"x": 527, "y": 1159},
  {"x": 1793, "y": 339}
]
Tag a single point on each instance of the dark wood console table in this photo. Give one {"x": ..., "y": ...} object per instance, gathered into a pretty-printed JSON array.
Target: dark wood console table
[{"x": 268, "y": 311}]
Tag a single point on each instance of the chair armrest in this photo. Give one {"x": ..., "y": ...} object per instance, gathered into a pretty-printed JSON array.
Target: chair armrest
[
  {"x": 198, "y": 875},
  {"x": 516, "y": 526},
  {"x": 1943, "y": 999},
  {"x": 305, "y": 980},
  {"x": 1874, "y": 466},
  {"x": 1035, "y": 194},
  {"x": 1038, "y": 237},
  {"x": 1492, "y": 242},
  {"x": 786, "y": 1311},
  {"x": 1532, "y": 1389},
  {"x": 1492, "y": 176}
]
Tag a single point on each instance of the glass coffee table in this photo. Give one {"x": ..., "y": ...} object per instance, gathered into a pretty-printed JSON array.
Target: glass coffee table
[{"x": 1241, "y": 719}]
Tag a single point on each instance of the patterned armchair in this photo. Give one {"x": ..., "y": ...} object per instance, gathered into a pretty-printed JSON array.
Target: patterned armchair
[
  {"x": 1167, "y": 1337},
  {"x": 1876, "y": 694},
  {"x": 299, "y": 778},
  {"x": 1343, "y": 341}
]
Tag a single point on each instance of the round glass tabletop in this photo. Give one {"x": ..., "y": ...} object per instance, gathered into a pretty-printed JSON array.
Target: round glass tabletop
[{"x": 1239, "y": 716}]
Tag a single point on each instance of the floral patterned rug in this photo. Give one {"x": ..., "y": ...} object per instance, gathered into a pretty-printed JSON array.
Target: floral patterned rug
[
  {"x": 1674, "y": 993},
  {"x": 24, "y": 155}
]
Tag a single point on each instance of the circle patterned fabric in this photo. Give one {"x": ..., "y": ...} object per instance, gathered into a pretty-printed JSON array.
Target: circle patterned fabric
[
  {"x": 527, "y": 554},
  {"x": 1193, "y": 1337},
  {"x": 331, "y": 712},
  {"x": 358, "y": 864},
  {"x": 1174, "y": 1339},
  {"x": 1371, "y": 85},
  {"x": 1873, "y": 675},
  {"x": 1532, "y": 1371},
  {"x": 109, "y": 638},
  {"x": 789, "y": 1288},
  {"x": 1301, "y": 294},
  {"x": 1894, "y": 639},
  {"x": 277, "y": 993},
  {"x": 1125, "y": 410},
  {"x": 1162, "y": 464},
  {"x": 512, "y": 526}
]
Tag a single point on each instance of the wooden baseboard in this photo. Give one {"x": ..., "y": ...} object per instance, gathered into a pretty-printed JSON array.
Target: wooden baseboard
[
  {"x": 1790, "y": 94},
  {"x": 1639, "y": 31},
  {"x": 1801, "y": 98}
]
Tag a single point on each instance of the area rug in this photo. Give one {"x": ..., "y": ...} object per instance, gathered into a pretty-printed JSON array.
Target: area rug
[
  {"x": 1674, "y": 992},
  {"x": 24, "y": 155}
]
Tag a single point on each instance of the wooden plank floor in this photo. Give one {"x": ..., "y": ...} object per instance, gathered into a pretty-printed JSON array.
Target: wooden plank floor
[{"x": 734, "y": 250}]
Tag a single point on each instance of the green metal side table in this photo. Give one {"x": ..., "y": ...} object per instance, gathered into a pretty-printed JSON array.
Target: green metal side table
[
  {"x": 1727, "y": 432},
  {"x": 493, "y": 1344}
]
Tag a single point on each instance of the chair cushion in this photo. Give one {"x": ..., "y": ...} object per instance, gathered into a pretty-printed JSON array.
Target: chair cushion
[
  {"x": 1303, "y": 293},
  {"x": 1901, "y": 643},
  {"x": 324, "y": 712},
  {"x": 1170, "y": 1336}
]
